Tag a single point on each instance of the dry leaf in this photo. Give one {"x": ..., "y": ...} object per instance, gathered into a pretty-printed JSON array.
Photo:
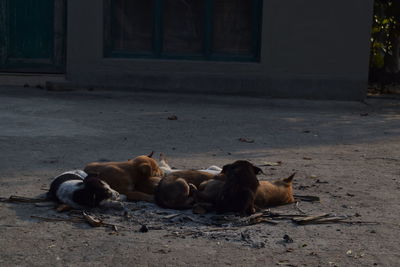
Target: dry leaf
[
  {"x": 199, "y": 210},
  {"x": 172, "y": 118},
  {"x": 267, "y": 163},
  {"x": 93, "y": 221},
  {"x": 245, "y": 140},
  {"x": 63, "y": 207}
]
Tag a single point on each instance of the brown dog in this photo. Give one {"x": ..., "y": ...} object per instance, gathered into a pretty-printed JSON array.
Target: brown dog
[
  {"x": 136, "y": 178},
  {"x": 274, "y": 193},
  {"x": 238, "y": 192},
  {"x": 176, "y": 190},
  {"x": 268, "y": 194}
]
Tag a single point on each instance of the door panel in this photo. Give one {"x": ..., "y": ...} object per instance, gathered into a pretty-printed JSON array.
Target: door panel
[{"x": 33, "y": 35}]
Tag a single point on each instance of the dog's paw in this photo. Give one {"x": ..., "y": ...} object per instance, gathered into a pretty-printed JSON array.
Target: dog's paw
[{"x": 192, "y": 189}]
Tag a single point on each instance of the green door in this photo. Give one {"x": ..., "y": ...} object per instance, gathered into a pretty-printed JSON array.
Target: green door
[{"x": 32, "y": 36}]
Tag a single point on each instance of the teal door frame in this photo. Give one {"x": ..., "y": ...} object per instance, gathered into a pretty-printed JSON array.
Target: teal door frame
[{"x": 32, "y": 36}]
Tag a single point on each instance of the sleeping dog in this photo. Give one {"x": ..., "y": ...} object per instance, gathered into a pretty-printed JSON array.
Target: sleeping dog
[
  {"x": 135, "y": 178},
  {"x": 79, "y": 190},
  {"x": 268, "y": 194},
  {"x": 278, "y": 192},
  {"x": 176, "y": 190},
  {"x": 239, "y": 190}
]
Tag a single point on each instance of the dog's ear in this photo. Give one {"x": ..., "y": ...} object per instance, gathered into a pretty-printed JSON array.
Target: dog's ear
[
  {"x": 145, "y": 169},
  {"x": 151, "y": 154},
  {"x": 289, "y": 179},
  {"x": 225, "y": 168},
  {"x": 257, "y": 170}
]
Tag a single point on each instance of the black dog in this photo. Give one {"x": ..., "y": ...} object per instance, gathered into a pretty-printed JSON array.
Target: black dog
[
  {"x": 238, "y": 192},
  {"x": 79, "y": 190}
]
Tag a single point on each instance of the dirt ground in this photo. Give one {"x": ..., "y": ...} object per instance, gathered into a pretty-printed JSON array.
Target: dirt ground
[{"x": 346, "y": 153}]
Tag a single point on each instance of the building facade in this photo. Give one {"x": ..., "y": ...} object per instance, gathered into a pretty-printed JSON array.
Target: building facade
[{"x": 272, "y": 48}]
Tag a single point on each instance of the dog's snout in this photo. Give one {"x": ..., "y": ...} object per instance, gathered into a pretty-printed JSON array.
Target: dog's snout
[{"x": 114, "y": 194}]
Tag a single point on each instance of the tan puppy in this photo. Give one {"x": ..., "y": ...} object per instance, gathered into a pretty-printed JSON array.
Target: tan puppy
[
  {"x": 175, "y": 191},
  {"x": 274, "y": 193},
  {"x": 136, "y": 178}
]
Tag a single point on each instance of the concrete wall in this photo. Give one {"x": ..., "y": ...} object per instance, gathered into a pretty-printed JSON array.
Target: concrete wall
[{"x": 310, "y": 49}]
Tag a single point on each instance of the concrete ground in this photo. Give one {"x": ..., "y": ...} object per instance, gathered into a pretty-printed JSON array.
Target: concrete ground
[{"x": 347, "y": 153}]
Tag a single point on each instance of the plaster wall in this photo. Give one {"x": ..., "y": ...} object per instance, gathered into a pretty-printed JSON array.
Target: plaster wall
[{"x": 309, "y": 49}]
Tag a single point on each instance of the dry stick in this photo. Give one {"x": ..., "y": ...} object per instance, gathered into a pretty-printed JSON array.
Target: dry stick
[
  {"x": 384, "y": 158},
  {"x": 95, "y": 222},
  {"x": 19, "y": 199},
  {"x": 332, "y": 220},
  {"x": 320, "y": 220},
  {"x": 75, "y": 220},
  {"x": 277, "y": 215},
  {"x": 304, "y": 220},
  {"x": 3, "y": 199},
  {"x": 255, "y": 219},
  {"x": 220, "y": 229},
  {"x": 170, "y": 216},
  {"x": 307, "y": 198},
  {"x": 262, "y": 220}
]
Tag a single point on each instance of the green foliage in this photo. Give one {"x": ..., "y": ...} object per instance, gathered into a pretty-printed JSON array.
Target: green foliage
[{"x": 385, "y": 24}]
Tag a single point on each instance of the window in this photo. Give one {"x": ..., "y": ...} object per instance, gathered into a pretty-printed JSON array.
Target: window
[{"x": 183, "y": 29}]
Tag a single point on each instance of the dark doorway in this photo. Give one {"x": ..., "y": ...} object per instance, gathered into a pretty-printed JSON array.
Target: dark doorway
[{"x": 32, "y": 36}]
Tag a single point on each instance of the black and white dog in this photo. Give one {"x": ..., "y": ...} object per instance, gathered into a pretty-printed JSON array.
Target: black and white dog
[{"x": 79, "y": 190}]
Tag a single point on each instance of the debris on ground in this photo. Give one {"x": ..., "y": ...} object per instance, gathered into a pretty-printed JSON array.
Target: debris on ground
[
  {"x": 186, "y": 223},
  {"x": 173, "y": 118},
  {"x": 246, "y": 140},
  {"x": 268, "y": 163}
]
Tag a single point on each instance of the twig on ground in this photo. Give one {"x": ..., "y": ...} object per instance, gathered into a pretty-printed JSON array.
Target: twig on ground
[
  {"x": 383, "y": 158},
  {"x": 261, "y": 220},
  {"x": 220, "y": 229},
  {"x": 56, "y": 219},
  {"x": 282, "y": 216},
  {"x": 19, "y": 199},
  {"x": 325, "y": 219},
  {"x": 308, "y": 219},
  {"x": 93, "y": 221},
  {"x": 170, "y": 216},
  {"x": 307, "y": 198}
]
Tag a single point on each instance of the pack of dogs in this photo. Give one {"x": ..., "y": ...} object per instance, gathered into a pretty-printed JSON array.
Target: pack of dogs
[{"x": 233, "y": 188}]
